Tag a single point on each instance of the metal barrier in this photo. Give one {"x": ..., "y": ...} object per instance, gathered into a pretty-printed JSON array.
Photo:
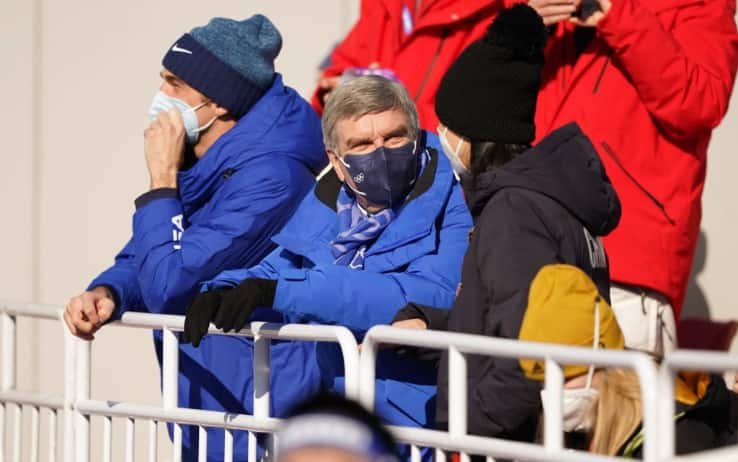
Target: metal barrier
[
  {"x": 79, "y": 407},
  {"x": 76, "y": 407},
  {"x": 707, "y": 361},
  {"x": 458, "y": 345}
]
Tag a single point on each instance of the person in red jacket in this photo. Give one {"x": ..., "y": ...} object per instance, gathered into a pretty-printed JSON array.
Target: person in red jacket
[
  {"x": 417, "y": 40},
  {"x": 647, "y": 81}
]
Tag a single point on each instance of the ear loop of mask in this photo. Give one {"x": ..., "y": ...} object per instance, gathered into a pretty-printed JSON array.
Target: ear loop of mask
[
  {"x": 595, "y": 341},
  {"x": 207, "y": 125},
  {"x": 458, "y": 144}
]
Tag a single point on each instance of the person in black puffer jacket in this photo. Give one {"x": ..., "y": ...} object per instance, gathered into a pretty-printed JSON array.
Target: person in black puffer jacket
[{"x": 532, "y": 206}]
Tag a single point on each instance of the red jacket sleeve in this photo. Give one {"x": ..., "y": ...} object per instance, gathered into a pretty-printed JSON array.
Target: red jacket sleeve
[{"x": 683, "y": 75}]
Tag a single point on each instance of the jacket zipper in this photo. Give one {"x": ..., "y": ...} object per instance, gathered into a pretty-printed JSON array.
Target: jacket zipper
[
  {"x": 424, "y": 82},
  {"x": 645, "y": 191},
  {"x": 602, "y": 74}
]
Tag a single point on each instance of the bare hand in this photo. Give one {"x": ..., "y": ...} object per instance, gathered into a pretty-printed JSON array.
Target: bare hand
[
  {"x": 327, "y": 85},
  {"x": 735, "y": 383},
  {"x": 164, "y": 142},
  {"x": 87, "y": 312},
  {"x": 414, "y": 323},
  {"x": 595, "y": 17},
  {"x": 554, "y": 11}
]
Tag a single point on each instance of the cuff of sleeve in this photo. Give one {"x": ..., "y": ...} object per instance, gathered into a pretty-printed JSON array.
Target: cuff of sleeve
[
  {"x": 411, "y": 311},
  {"x": 154, "y": 194}
]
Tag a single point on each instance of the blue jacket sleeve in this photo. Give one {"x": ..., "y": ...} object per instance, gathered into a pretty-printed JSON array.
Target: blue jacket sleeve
[
  {"x": 269, "y": 268},
  {"x": 333, "y": 294},
  {"x": 173, "y": 257},
  {"x": 121, "y": 279}
]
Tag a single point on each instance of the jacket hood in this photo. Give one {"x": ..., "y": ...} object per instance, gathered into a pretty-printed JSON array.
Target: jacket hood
[
  {"x": 281, "y": 123},
  {"x": 565, "y": 167}
]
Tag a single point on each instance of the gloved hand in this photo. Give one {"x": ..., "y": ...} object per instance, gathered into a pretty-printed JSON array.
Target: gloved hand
[
  {"x": 228, "y": 309},
  {"x": 199, "y": 313},
  {"x": 239, "y": 303}
]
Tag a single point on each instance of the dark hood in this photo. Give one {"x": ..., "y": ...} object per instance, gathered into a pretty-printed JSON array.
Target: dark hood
[{"x": 563, "y": 166}]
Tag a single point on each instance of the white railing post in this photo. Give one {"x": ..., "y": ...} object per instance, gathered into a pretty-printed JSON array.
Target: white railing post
[
  {"x": 350, "y": 354},
  {"x": 70, "y": 374},
  {"x": 666, "y": 411},
  {"x": 367, "y": 372},
  {"x": 648, "y": 380},
  {"x": 553, "y": 432},
  {"x": 7, "y": 369},
  {"x": 457, "y": 395},
  {"x": 262, "y": 370},
  {"x": 82, "y": 393},
  {"x": 170, "y": 385}
]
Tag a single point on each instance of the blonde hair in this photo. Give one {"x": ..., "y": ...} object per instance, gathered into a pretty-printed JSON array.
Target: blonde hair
[{"x": 617, "y": 412}]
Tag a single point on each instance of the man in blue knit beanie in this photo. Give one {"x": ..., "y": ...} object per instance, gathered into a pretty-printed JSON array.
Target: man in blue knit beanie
[{"x": 230, "y": 151}]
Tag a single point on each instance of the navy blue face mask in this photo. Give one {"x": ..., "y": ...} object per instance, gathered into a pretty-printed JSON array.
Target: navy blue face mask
[{"x": 385, "y": 176}]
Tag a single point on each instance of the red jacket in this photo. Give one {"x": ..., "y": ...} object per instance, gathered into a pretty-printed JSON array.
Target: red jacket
[
  {"x": 441, "y": 32},
  {"x": 648, "y": 90}
]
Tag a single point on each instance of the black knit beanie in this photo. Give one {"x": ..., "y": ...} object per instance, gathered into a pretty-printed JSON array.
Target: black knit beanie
[{"x": 489, "y": 93}]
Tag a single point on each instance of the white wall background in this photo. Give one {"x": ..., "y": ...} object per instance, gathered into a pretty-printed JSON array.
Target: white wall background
[{"x": 76, "y": 79}]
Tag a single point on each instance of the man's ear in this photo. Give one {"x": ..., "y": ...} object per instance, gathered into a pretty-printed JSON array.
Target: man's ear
[
  {"x": 336, "y": 163},
  {"x": 221, "y": 112}
]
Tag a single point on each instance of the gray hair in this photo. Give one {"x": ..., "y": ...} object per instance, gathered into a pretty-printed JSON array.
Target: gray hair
[{"x": 369, "y": 94}]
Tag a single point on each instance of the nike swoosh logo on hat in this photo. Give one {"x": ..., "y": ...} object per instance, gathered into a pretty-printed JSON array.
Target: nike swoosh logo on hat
[{"x": 177, "y": 49}]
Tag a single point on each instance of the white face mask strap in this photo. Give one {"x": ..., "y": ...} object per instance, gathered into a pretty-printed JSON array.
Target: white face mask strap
[
  {"x": 207, "y": 125},
  {"x": 199, "y": 106},
  {"x": 458, "y": 147},
  {"x": 595, "y": 340}
]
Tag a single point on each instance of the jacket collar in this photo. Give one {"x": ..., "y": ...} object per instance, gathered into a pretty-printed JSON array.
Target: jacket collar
[{"x": 198, "y": 184}]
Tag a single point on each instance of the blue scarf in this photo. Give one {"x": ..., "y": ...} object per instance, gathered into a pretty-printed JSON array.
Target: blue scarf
[{"x": 357, "y": 229}]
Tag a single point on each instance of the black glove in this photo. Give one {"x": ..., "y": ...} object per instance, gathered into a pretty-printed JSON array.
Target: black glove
[
  {"x": 201, "y": 311},
  {"x": 238, "y": 304}
]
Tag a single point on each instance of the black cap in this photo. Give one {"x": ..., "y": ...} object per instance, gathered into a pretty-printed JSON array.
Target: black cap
[{"x": 489, "y": 93}]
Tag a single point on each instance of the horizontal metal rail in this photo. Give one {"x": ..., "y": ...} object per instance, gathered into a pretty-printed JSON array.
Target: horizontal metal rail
[
  {"x": 25, "y": 398},
  {"x": 181, "y": 416},
  {"x": 459, "y": 344},
  {"x": 657, "y": 388},
  {"x": 726, "y": 454},
  {"x": 31, "y": 310},
  {"x": 505, "y": 449}
]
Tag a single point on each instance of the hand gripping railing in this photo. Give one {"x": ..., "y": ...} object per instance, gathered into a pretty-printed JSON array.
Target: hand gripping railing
[
  {"x": 78, "y": 407},
  {"x": 707, "y": 361},
  {"x": 456, "y": 439}
]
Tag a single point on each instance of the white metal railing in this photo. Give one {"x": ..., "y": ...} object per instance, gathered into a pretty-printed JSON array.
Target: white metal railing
[
  {"x": 706, "y": 361},
  {"x": 76, "y": 407},
  {"x": 456, "y": 439},
  {"x": 79, "y": 407}
]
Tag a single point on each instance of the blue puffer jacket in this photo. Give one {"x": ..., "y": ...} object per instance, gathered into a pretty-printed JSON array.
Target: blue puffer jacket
[
  {"x": 417, "y": 258},
  {"x": 229, "y": 205}
]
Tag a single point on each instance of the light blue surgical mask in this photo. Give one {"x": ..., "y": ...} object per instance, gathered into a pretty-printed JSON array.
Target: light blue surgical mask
[
  {"x": 162, "y": 103},
  {"x": 453, "y": 153}
]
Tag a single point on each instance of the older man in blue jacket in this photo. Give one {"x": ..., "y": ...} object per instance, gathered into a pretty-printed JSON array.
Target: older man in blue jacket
[
  {"x": 388, "y": 225},
  {"x": 231, "y": 151}
]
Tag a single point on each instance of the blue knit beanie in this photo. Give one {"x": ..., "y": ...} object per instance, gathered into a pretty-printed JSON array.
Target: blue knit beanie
[{"x": 231, "y": 62}]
